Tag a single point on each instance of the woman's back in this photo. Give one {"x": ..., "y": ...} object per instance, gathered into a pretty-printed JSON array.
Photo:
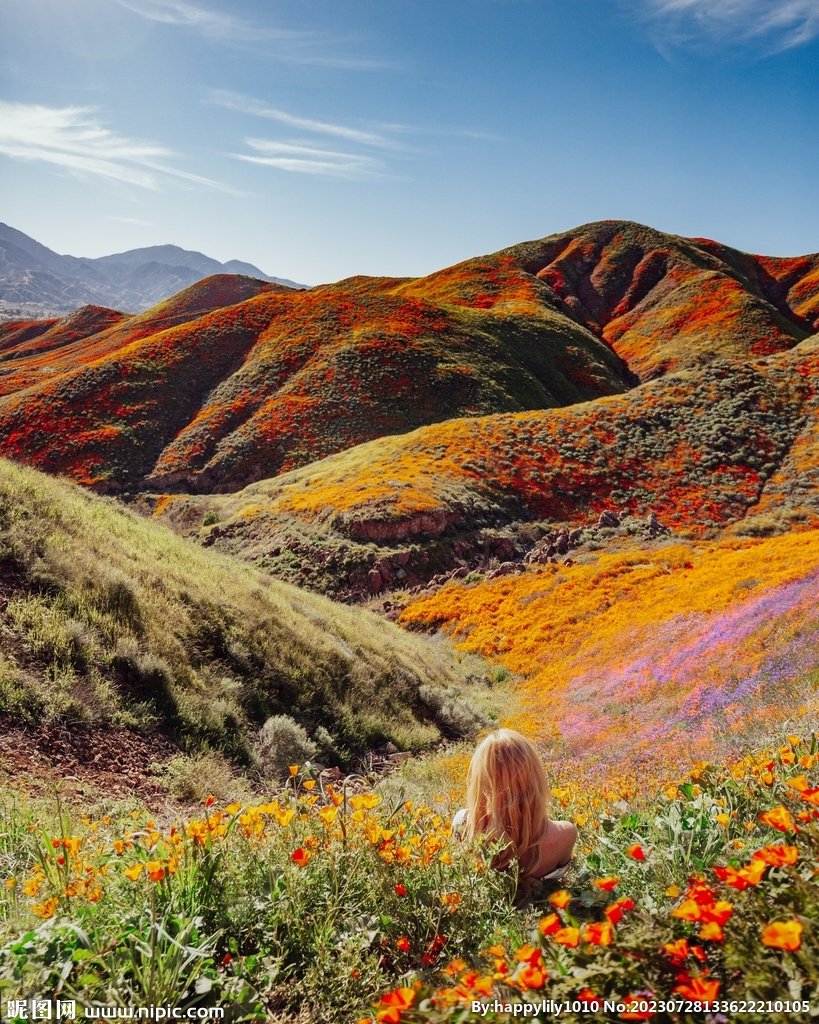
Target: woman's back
[{"x": 507, "y": 798}]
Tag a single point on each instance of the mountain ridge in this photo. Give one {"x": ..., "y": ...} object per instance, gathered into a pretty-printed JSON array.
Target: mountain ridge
[{"x": 35, "y": 279}]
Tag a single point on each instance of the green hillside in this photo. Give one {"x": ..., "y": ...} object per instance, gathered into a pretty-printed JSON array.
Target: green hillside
[{"x": 108, "y": 619}]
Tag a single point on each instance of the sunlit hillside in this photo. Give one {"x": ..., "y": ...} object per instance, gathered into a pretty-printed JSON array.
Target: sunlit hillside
[
  {"x": 227, "y": 383},
  {"x": 633, "y": 665},
  {"x": 113, "y": 621},
  {"x": 731, "y": 447},
  {"x": 236, "y": 380},
  {"x": 664, "y": 302}
]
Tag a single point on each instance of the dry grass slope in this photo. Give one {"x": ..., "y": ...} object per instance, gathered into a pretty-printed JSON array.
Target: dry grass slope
[{"x": 108, "y": 618}]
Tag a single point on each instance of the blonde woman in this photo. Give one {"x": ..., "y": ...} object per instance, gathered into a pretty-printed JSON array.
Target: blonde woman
[{"x": 507, "y": 799}]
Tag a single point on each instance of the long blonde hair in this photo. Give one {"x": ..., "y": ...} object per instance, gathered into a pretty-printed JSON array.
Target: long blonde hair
[{"x": 507, "y": 798}]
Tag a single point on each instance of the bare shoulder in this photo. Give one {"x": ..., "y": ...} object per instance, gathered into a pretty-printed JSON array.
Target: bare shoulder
[{"x": 558, "y": 843}]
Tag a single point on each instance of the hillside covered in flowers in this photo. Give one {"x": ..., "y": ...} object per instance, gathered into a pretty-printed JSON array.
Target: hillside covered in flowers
[{"x": 235, "y": 380}]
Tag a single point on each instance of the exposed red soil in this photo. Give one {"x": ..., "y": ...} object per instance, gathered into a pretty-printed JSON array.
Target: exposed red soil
[{"x": 112, "y": 762}]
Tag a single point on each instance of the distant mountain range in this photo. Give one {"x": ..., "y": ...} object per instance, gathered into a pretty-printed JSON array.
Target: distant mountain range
[{"x": 36, "y": 281}]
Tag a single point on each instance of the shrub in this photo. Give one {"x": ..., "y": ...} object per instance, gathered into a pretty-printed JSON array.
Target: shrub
[
  {"x": 452, "y": 712},
  {"x": 282, "y": 742},
  {"x": 202, "y": 775}
]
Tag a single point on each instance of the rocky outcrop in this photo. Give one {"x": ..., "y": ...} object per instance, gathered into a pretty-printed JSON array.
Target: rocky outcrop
[{"x": 423, "y": 524}]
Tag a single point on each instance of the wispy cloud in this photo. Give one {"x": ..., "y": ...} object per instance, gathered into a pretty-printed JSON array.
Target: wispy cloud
[
  {"x": 249, "y": 105},
  {"x": 781, "y": 23},
  {"x": 213, "y": 23},
  {"x": 71, "y": 137},
  {"x": 304, "y": 159},
  {"x": 302, "y": 156},
  {"x": 297, "y": 46}
]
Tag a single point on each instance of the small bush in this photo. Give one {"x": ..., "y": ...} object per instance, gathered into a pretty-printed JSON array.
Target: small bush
[
  {"x": 210, "y": 518},
  {"x": 760, "y": 526},
  {"x": 282, "y": 742},
  {"x": 326, "y": 745},
  {"x": 203, "y": 775},
  {"x": 452, "y": 712}
]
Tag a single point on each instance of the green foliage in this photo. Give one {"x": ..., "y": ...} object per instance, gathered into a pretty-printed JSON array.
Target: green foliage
[
  {"x": 321, "y": 902},
  {"x": 111, "y": 619},
  {"x": 281, "y": 743}
]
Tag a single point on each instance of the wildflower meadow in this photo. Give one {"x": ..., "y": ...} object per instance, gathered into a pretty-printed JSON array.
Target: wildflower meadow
[{"x": 337, "y": 903}]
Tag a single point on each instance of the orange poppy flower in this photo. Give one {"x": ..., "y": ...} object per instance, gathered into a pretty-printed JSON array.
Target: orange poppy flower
[
  {"x": 395, "y": 1003},
  {"x": 567, "y": 937},
  {"x": 598, "y": 934},
  {"x": 703, "y": 990},
  {"x": 636, "y": 851},
  {"x": 528, "y": 954},
  {"x": 531, "y": 977},
  {"x": 156, "y": 872},
  {"x": 133, "y": 872},
  {"x": 711, "y": 932},
  {"x": 799, "y": 783},
  {"x": 777, "y": 856},
  {"x": 548, "y": 925},
  {"x": 561, "y": 899},
  {"x": 606, "y": 884},
  {"x": 400, "y": 890},
  {"x": 677, "y": 950},
  {"x": 301, "y": 857},
  {"x": 718, "y": 912},
  {"x": 47, "y": 908},
  {"x": 403, "y": 943},
  {"x": 741, "y": 879},
  {"x": 782, "y": 935},
  {"x": 779, "y": 818},
  {"x": 688, "y": 910}
]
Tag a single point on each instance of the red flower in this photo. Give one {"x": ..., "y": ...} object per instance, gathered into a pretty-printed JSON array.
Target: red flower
[
  {"x": 401, "y": 890},
  {"x": 301, "y": 857},
  {"x": 598, "y": 934},
  {"x": 636, "y": 851},
  {"x": 549, "y": 924},
  {"x": 403, "y": 943}
]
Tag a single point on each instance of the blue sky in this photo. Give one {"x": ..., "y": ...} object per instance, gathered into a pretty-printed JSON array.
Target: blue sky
[{"x": 320, "y": 139}]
